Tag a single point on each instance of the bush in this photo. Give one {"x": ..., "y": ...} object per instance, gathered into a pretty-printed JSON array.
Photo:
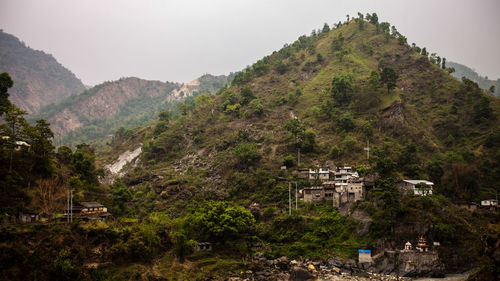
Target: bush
[
  {"x": 246, "y": 154},
  {"x": 289, "y": 161},
  {"x": 220, "y": 222}
]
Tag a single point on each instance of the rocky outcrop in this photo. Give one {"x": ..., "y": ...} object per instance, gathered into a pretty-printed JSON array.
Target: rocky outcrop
[
  {"x": 393, "y": 118},
  {"x": 414, "y": 264},
  {"x": 408, "y": 264},
  {"x": 38, "y": 78},
  {"x": 307, "y": 270}
]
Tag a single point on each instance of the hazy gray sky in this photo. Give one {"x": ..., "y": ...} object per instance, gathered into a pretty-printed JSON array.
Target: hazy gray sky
[{"x": 102, "y": 40}]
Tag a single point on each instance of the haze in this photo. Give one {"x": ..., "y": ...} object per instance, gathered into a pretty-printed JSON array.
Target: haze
[{"x": 181, "y": 40}]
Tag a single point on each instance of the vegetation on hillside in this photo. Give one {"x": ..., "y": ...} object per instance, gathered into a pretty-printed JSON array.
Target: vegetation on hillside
[{"x": 317, "y": 100}]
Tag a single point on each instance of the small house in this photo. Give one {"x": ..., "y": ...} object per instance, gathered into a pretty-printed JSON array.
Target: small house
[
  {"x": 489, "y": 203},
  {"x": 416, "y": 187},
  {"x": 28, "y": 217},
  {"x": 88, "y": 211},
  {"x": 365, "y": 256},
  {"x": 314, "y": 194}
]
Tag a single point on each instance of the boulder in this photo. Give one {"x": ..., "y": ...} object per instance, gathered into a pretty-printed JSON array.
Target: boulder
[{"x": 300, "y": 274}]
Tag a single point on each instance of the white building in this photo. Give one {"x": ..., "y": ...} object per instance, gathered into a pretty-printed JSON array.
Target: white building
[
  {"x": 321, "y": 174},
  {"x": 416, "y": 187},
  {"x": 489, "y": 203}
]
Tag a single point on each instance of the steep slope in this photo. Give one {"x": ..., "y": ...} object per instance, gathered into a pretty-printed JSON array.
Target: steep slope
[
  {"x": 230, "y": 146},
  {"x": 428, "y": 107},
  {"x": 101, "y": 110},
  {"x": 465, "y": 71},
  {"x": 39, "y": 78}
]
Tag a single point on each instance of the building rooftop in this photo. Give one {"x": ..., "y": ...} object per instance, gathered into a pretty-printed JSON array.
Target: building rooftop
[
  {"x": 91, "y": 204},
  {"x": 419, "y": 181}
]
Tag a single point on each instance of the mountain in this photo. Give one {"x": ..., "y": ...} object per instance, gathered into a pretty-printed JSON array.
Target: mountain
[
  {"x": 39, "y": 78},
  {"x": 465, "y": 71},
  {"x": 101, "y": 110},
  {"x": 220, "y": 171},
  {"x": 329, "y": 94}
]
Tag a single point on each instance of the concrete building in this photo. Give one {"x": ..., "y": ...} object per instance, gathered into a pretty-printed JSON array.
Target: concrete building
[
  {"x": 489, "y": 203},
  {"x": 416, "y": 187},
  {"x": 314, "y": 194},
  {"x": 365, "y": 256},
  {"x": 322, "y": 174}
]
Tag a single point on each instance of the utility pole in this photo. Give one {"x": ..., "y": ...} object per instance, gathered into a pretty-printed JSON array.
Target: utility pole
[
  {"x": 71, "y": 206},
  {"x": 289, "y": 198},
  {"x": 298, "y": 156},
  {"x": 296, "y": 198},
  {"x": 67, "y": 207},
  {"x": 367, "y": 149}
]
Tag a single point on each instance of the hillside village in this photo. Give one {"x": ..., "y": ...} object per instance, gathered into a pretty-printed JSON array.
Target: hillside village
[{"x": 266, "y": 178}]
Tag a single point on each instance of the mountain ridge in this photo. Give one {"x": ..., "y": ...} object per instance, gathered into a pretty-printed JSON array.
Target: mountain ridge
[
  {"x": 39, "y": 78},
  {"x": 125, "y": 102}
]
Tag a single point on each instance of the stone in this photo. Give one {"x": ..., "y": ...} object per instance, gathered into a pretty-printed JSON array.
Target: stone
[
  {"x": 311, "y": 267},
  {"x": 282, "y": 263},
  {"x": 300, "y": 274}
]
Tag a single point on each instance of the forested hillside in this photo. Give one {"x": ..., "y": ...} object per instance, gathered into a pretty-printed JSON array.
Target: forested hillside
[
  {"x": 221, "y": 168},
  {"x": 39, "y": 78}
]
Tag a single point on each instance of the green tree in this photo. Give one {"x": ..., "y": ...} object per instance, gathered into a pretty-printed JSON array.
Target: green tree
[
  {"x": 389, "y": 78},
  {"x": 482, "y": 109},
  {"x": 289, "y": 161},
  {"x": 338, "y": 42},
  {"x": 164, "y": 116},
  {"x": 220, "y": 222},
  {"x": 247, "y": 95},
  {"x": 14, "y": 128},
  {"x": 121, "y": 196},
  {"x": 182, "y": 247},
  {"x": 296, "y": 128},
  {"x": 374, "y": 19},
  {"x": 5, "y": 83},
  {"x": 342, "y": 86},
  {"x": 258, "y": 108},
  {"x": 40, "y": 137},
  {"x": 387, "y": 198},
  {"x": 346, "y": 122},
  {"x": 402, "y": 40},
  {"x": 492, "y": 89},
  {"x": 374, "y": 80},
  {"x": 341, "y": 54},
  {"x": 443, "y": 64},
  {"x": 246, "y": 154},
  {"x": 326, "y": 28},
  {"x": 309, "y": 141}
]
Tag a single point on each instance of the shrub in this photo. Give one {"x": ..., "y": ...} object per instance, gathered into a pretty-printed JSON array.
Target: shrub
[
  {"x": 246, "y": 154},
  {"x": 289, "y": 161}
]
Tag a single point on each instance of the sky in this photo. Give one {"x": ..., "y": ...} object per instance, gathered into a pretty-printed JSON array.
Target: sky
[{"x": 173, "y": 40}]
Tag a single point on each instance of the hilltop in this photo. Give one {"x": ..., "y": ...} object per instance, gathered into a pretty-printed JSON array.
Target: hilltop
[
  {"x": 39, "y": 78},
  {"x": 428, "y": 121},
  {"x": 100, "y": 111}
]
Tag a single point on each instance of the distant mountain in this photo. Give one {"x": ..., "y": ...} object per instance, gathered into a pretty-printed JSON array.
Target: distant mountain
[
  {"x": 101, "y": 110},
  {"x": 38, "y": 78},
  {"x": 483, "y": 82}
]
